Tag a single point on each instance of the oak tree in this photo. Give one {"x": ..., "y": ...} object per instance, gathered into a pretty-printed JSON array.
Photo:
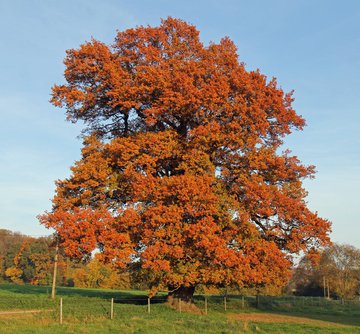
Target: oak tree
[{"x": 181, "y": 170}]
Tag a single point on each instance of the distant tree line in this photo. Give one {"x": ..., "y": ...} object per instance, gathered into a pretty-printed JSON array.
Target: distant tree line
[
  {"x": 334, "y": 273},
  {"x": 25, "y": 259},
  {"x": 30, "y": 260}
]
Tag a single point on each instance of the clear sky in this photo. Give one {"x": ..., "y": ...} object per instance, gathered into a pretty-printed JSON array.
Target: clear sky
[{"x": 311, "y": 46}]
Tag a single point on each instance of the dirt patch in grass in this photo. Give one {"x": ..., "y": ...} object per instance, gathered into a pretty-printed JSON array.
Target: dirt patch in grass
[{"x": 280, "y": 318}]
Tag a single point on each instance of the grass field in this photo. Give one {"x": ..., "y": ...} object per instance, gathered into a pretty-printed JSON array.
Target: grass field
[{"x": 88, "y": 311}]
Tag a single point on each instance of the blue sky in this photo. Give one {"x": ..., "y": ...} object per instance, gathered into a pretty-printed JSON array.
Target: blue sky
[{"x": 312, "y": 47}]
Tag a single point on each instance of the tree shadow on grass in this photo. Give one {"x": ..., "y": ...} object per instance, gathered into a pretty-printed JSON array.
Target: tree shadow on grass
[
  {"x": 120, "y": 297},
  {"x": 25, "y": 289},
  {"x": 140, "y": 300}
]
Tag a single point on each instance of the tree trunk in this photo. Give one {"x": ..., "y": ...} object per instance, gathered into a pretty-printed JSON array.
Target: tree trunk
[
  {"x": 257, "y": 305},
  {"x": 181, "y": 299},
  {"x": 185, "y": 293}
]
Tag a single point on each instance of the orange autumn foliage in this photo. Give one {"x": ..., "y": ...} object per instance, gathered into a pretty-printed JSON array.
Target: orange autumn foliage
[{"x": 181, "y": 168}]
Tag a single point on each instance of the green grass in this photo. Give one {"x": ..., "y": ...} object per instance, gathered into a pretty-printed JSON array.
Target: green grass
[{"x": 88, "y": 311}]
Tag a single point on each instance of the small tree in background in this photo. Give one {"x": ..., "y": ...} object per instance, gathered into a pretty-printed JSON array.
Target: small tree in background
[
  {"x": 340, "y": 264},
  {"x": 14, "y": 274},
  {"x": 181, "y": 170},
  {"x": 96, "y": 274},
  {"x": 338, "y": 270},
  {"x": 306, "y": 279}
]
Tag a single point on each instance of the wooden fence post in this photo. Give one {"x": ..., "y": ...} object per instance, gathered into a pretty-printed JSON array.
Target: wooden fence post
[
  {"x": 180, "y": 305},
  {"x": 149, "y": 305},
  {"x": 55, "y": 269},
  {"x": 242, "y": 302},
  {"x": 61, "y": 311},
  {"x": 206, "y": 306},
  {"x": 225, "y": 306},
  {"x": 112, "y": 309}
]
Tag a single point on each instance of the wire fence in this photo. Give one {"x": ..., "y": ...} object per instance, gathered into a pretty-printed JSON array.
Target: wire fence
[{"x": 76, "y": 308}]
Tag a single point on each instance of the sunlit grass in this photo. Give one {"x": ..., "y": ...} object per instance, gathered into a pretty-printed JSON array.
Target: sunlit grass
[{"x": 88, "y": 311}]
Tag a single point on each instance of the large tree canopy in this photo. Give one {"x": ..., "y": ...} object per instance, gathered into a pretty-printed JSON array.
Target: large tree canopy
[{"x": 181, "y": 170}]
